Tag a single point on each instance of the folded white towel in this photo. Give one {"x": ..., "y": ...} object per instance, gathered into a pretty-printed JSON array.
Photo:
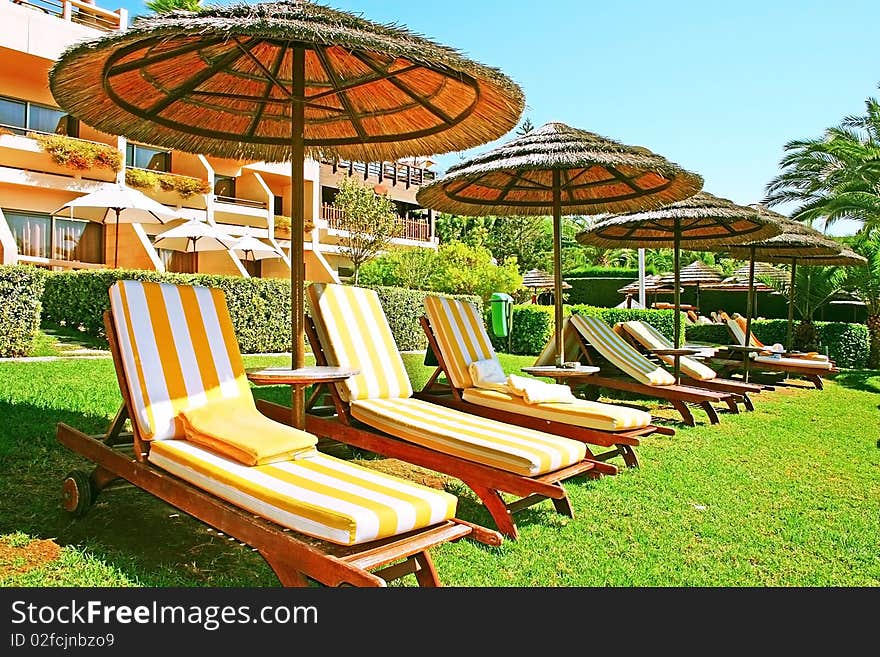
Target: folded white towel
[
  {"x": 488, "y": 374},
  {"x": 539, "y": 392}
]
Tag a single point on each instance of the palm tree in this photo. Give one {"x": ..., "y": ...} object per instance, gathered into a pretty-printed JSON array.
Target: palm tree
[
  {"x": 813, "y": 288},
  {"x": 865, "y": 282},
  {"x": 836, "y": 176},
  {"x": 164, "y": 6}
]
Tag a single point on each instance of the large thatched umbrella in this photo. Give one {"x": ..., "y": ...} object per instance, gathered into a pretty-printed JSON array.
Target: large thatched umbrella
[
  {"x": 556, "y": 170},
  {"x": 797, "y": 242},
  {"x": 280, "y": 81},
  {"x": 698, "y": 223}
]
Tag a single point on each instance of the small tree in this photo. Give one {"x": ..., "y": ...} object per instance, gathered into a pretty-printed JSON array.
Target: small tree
[
  {"x": 164, "y": 6},
  {"x": 369, "y": 220},
  {"x": 865, "y": 282}
]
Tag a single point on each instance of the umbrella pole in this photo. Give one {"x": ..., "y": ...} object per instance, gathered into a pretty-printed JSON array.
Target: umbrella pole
[
  {"x": 557, "y": 265},
  {"x": 297, "y": 233},
  {"x": 676, "y": 296},
  {"x": 116, "y": 240},
  {"x": 790, "y": 335},
  {"x": 749, "y": 309}
]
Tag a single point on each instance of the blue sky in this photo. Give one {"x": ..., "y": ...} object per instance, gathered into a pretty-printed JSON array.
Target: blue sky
[{"x": 716, "y": 87}]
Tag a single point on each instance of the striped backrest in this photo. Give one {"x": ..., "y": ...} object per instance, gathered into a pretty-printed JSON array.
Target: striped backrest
[
  {"x": 461, "y": 336},
  {"x": 354, "y": 332},
  {"x": 178, "y": 352},
  {"x": 650, "y": 338},
  {"x": 736, "y": 332},
  {"x": 619, "y": 352},
  {"x": 571, "y": 346},
  {"x": 753, "y": 341}
]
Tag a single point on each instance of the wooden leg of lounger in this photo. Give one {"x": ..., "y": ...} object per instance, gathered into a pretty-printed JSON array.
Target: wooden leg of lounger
[
  {"x": 816, "y": 380},
  {"x": 563, "y": 506},
  {"x": 426, "y": 573},
  {"x": 287, "y": 575},
  {"x": 747, "y": 402},
  {"x": 629, "y": 455},
  {"x": 496, "y": 506},
  {"x": 711, "y": 412},
  {"x": 685, "y": 412},
  {"x": 732, "y": 405}
]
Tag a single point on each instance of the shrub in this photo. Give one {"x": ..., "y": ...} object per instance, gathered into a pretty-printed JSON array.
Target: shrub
[
  {"x": 846, "y": 344},
  {"x": 21, "y": 288},
  {"x": 186, "y": 186},
  {"x": 283, "y": 224},
  {"x": 78, "y": 154},
  {"x": 595, "y": 271}
]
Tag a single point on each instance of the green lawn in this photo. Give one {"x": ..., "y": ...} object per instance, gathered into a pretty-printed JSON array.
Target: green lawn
[{"x": 786, "y": 496}]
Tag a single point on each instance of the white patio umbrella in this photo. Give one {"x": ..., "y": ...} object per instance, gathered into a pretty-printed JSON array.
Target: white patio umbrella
[
  {"x": 117, "y": 204},
  {"x": 251, "y": 248},
  {"x": 193, "y": 236}
]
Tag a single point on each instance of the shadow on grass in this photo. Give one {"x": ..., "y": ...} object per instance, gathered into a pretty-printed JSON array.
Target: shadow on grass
[{"x": 866, "y": 380}]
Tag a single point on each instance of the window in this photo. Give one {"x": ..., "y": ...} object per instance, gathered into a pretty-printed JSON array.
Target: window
[
  {"x": 278, "y": 207},
  {"x": 224, "y": 186},
  {"x": 144, "y": 157},
  {"x": 21, "y": 116},
  {"x": 44, "y": 236}
]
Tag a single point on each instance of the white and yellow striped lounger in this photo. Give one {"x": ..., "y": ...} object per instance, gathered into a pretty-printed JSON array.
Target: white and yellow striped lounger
[
  {"x": 491, "y": 457},
  {"x": 462, "y": 339},
  {"x": 819, "y": 364},
  {"x": 179, "y": 353}
]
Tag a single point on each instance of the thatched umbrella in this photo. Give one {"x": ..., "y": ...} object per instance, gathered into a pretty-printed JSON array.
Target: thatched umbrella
[
  {"x": 798, "y": 242},
  {"x": 556, "y": 170},
  {"x": 698, "y": 223},
  {"x": 278, "y": 81},
  {"x": 537, "y": 279},
  {"x": 695, "y": 274}
]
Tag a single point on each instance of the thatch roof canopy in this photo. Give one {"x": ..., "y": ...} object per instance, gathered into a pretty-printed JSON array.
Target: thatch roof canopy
[
  {"x": 797, "y": 239},
  {"x": 845, "y": 258},
  {"x": 595, "y": 175},
  {"x": 540, "y": 280},
  {"x": 706, "y": 222},
  {"x": 696, "y": 273},
  {"x": 653, "y": 285},
  {"x": 221, "y": 81}
]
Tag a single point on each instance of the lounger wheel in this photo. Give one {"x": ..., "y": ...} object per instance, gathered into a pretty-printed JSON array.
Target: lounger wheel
[{"x": 77, "y": 493}]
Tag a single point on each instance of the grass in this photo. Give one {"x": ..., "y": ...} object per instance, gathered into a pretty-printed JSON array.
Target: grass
[{"x": 788, "y": 495}]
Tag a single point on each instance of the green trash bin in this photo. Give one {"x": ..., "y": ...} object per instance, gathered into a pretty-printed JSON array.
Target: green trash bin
[{"x": 500, "y": 305}]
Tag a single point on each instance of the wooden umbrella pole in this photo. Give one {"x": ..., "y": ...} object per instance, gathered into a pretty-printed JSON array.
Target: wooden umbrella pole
[
  {"x": 557, "y": 265},
  {"x": 676, "y": 294},
  {"x": 746, "y": 354},
  {"x": 790, "y": 334},
  {"x": 297, "y": 233},
  {"x": 116, "y": 240}
]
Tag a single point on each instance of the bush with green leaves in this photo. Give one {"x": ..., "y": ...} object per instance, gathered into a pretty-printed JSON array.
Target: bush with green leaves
[
  {"x": 532, "y": 326},
  {"x": 21, "y": 288},
  {"x": 846, "y": 344}
]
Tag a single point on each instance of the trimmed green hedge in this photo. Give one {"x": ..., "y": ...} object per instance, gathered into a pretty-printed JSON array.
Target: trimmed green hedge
[
  {"x": 21, "y": 288},
  {"x": 259, "y": 307},
  {"x": 596, "y": 291},
  {"x": 846, "y": 344},
  {"x": 533, "y": 325},
  {"x": 594, "y": 271}
]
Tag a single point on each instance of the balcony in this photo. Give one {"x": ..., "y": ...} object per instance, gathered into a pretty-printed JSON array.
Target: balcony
[
  {"x": 19, "y": 150},
  {"x": 412, "y": 228},
  {"x": 76, "y": 11},
  {"x": 171, "y": 189}
]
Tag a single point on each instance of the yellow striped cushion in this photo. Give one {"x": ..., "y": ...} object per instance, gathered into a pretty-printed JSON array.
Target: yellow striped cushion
[
  {"x": 736, "y": 331},
  {"x": 354, "y": 332},
  {"x": 650, "y": 338},
  {"x": 178, "y": 352},
  {"x": 321, "y": 496},
  {"x": 616, "y": 350},
  {"x": 582, "y": 413},
  {"x": 500, "y": 445},
  {"x": 461, "y": 336},
  {"x": 570, "y": 344}
]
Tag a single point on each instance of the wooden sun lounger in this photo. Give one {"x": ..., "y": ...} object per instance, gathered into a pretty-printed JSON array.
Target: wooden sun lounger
[
  {"x": 679, "y": 396},
  {"x": 621, "y": 442},
  {"x": 297, "y": 559},
  {"x": 738, "y": 387},
  {"x": 335, "y": 422}
]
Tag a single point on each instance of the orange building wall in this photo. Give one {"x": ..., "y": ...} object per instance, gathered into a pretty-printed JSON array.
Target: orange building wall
[{"x": 132, "y": 254}]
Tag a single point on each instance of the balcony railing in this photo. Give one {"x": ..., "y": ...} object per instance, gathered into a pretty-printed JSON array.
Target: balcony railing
[
  {"x": 80, "y": 12},
  {"x": 395, "y": 172},
  {"x": 412, "y": 228},
  {"x": 245, "y": 202}
]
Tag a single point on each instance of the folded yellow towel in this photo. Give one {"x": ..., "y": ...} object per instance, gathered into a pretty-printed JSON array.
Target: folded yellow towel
[
  {"x": 534, "y": 391},
  {"x": 488, "y": 374},
  {"x": 242, "y": 433}
]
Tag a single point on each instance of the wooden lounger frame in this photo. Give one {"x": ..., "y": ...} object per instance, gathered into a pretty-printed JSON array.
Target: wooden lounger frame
[
  {"x": 677, "y": 395},
  {"x": 295, "y": 558},
  {"x": 719, "y": 383},
  {"x": 488, "y": 483},
  {"x": 621, "y": 442}
]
